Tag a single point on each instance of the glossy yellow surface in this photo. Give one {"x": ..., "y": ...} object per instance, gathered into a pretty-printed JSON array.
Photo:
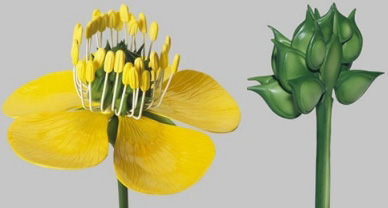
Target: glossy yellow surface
[
  {"x": 52, "y": 92},
  {"x": 155, "y": 158},
  {"x": 60, "y": 140},
  {"x": 197, "y": 99}
]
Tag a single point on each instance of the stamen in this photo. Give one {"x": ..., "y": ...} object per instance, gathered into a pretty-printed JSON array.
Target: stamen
[
  {"x": 81, "y": 71},
  {"x": 143, "y": 27},
  {"x": 145, "y": 86},
  {"x": 125, "y": 17},
  {"x": 153, "y": 35},
  {"x": 153, "y": 87},
  {"x": 167, "y": 43},
  {"x": 111, "y": 24},
  {"x": 108, "y": 68},
  {"x": 134, "y": 84},
  {"x": 126, "y": 82},
  {"x": 133, "y": 27},
  {"x": 174, "y": 69},
  {"x": 90, "y": 76},
  {"x": 118, "y": 68}
]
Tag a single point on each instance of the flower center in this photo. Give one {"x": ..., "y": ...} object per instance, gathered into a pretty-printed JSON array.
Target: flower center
[{"x": 121, "y": 78}]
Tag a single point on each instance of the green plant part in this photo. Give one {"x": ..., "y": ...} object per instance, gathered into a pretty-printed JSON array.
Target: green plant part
[{"x": 307, "y": 70}]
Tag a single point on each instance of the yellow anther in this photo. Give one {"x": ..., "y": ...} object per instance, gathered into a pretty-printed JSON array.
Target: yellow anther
[
  {"x": 119, "y": 61},
  {"x": 119, "y": 23},
  {"x": 133, "y": 78},
  {"x": 77, "y": 34},
  {"x": 74, "y": 53},
  {"x": 101, "y": 23},
  {"x": 88, "y": 30},
  {"x": 145, "y": 81},
  {"x": 153, "y": 34},
  {"x": 133, "y": 27},
  {"x": 154, "y": 60},
  {"x": 112, "y": 19},
  {"x": 153, "y": 73},
  {"x": 139, "y": 64},
  {"x": 96, "y": 13},
  {"x": 109, "y": 62},
  {"x": 99, "y": 57},
  {"x": 106, "y": 20},
  {"x": 167, "y": 42},
  {"x": 163, "y": 59},
  {"x": 81, "y": 70},
  {"x": 175, "y": 64},
  {"x": 126, "y": 74},
  {"x": 90, "y": 71},
  {"x": 124, "y": 13},
  {"x": 142, "y": 23}
]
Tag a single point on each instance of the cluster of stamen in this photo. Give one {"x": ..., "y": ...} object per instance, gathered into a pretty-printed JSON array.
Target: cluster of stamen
[{"x": 121, "y": 78}]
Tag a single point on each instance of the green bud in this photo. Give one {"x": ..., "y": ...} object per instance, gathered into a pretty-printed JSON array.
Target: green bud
[
  {"x": 316, "y": 14},
  {"x": 291, "y": 64},
  {"x": 282, "y": 39},
  {"x": 352, "y": 48},
  {"x": 316, "y": 50},
  {"x": 280, "y": 101},
  {"x": 307, "y": 91},
  {"x": 332, "y": 64},
  {"x": 326, "y": 24},
  {"x": 304, "y": 32},
  {"x": 342, "y": 26},
  {"x": 353, "y": 84},
  {"x": 263, "y": 79}
]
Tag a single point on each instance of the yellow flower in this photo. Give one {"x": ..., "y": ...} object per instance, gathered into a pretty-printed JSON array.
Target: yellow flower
[{"x": 61, "y": 119}]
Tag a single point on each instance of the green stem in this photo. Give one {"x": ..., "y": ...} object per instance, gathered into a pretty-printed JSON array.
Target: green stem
[
  {"x": 123, "y": 195},
  {"x": 112, "y": 134},
  {"x": 322, "y": 186}
]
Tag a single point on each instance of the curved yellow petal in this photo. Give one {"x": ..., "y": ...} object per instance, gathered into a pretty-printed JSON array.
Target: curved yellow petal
[
  {"x": 197, "y": 99},
  {"x": 155, "y": 158},
  {"x": 60, "y": 140},
  {"x": 49, "y": 93}
]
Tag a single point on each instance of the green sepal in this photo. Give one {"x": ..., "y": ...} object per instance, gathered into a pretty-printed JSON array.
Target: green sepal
[
  {"x": 140, "y": 49},
  {"x": 351, "y": 49},
  {"x": 304, "y": 32},
  {"x": 291, "y": 64},
  {"x": 306, "y": 92},
  {"x": 326, "y": 24},
  {"x": 282, "y": 39},
  {"x": 158, "y": 118},
  {"x": 279, "y": 100},
  {"x": 112, "y": 129},
  {"x": 263, "y": 79},
  {"x": 331, "y": 66},
  {"x": 316, "y": 50},
  {"x": 351, "y": 85},
  {"x": 342, "y": 26}
]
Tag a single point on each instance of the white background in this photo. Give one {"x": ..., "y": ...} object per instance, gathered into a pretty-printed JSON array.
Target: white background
[{"x": 267, "y": 162}]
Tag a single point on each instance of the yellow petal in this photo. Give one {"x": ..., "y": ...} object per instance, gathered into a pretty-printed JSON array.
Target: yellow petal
[
  {"x": 60, "y": 140},
  {"x": 52, "y": 92},
  {"x": 197, "y": 99},
  {"x": 155, "y": 158}
]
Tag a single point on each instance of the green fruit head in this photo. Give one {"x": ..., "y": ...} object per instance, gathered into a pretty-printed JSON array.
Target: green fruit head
[{"x": 314, "y": 63}]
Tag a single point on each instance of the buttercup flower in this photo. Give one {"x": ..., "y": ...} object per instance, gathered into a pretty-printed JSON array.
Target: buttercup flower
[{"x": 63, "y": 120}]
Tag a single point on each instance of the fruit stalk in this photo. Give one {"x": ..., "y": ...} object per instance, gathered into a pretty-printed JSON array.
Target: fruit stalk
[{"x": 322, "y": 186}]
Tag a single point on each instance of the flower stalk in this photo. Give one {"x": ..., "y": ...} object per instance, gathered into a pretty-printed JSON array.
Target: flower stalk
[{"x": 112, "y": 134}]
